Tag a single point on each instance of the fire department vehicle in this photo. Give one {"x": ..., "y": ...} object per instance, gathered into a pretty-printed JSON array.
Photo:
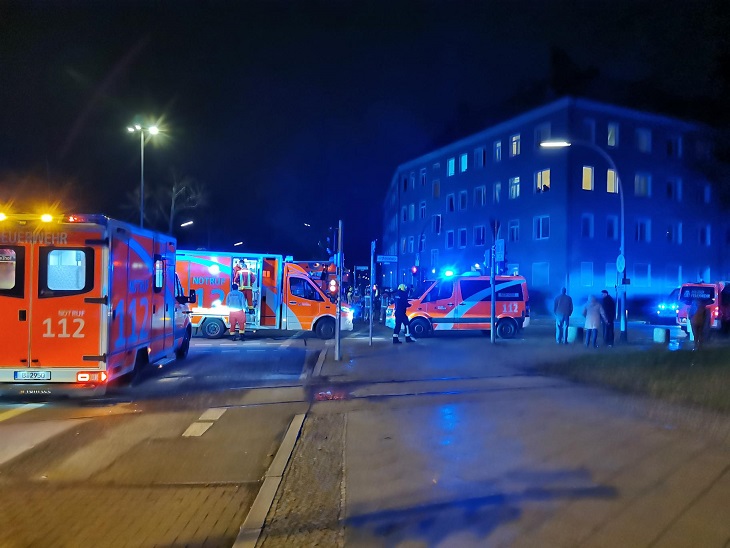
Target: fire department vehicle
[
  {"x": 280, "y": 293},
  {"x": 716, "y": 297},
  {"x": 85, "y": 299},
  {"x": 463, "y": 303}
]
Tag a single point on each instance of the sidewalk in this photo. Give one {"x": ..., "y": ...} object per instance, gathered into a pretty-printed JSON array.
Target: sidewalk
[{"x": 432, "y": 447}]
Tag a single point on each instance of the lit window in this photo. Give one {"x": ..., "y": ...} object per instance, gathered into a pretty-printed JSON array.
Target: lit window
[
  {"x": 497, "y": 151},
  {"x": 497, "y": 192},
  {"x": 611, "y": 181},
  {"x": 586, "y": 225},
  {"x": 642, "y": 184},
  {"x": 514, "y": 188},
  {"x": 643, "y": 140},
  {"x": 463, "y": 199},
  {"x": 514, "y": 145},
  {"x": 450, "y": 166},
  {"x": 412, "y": 212},
  {"x": 463, "y": 161},
  {"x": 612, "y": 139},
  {"x": 462, "y": 237},
  {"x": 480, "y": 235},
  {"x": 541, "y": 227},
  {"x": 449, "y": 239},
  {"x": 542, "y": 180},
  {"x": 513, "y": 230},
  {"x": 587, "y": 178},
  {"x": 450, "y": 203},
  {"x": 643, "y": 230}
]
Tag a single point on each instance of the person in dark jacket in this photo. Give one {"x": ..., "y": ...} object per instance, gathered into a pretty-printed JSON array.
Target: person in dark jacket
[
  {"x": 400, "y": 299},
  {"x": 563, "y": 308},
  {"x": 609, "y": 307}
]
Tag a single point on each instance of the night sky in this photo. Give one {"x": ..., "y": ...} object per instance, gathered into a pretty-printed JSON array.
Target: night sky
[{"x": 299, "y": 112}]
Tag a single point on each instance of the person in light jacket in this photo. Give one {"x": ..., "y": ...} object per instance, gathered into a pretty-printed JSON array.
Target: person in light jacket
[{"x": 594, "y": 313}]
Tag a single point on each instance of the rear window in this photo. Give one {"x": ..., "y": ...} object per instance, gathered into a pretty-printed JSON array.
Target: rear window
[
  {"x": 12, "y": 268},
  {"x": 65, "y": 271},
  {"x": 481, "y": 290},
  {"x": 692, "y": 292}
]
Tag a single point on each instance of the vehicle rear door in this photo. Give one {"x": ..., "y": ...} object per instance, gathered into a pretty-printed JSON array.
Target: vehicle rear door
[
  {"x": 15, "y": 305},
  {"x": 66, "y": 300}
]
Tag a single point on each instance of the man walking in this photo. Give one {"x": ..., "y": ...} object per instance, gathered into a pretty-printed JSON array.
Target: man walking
[
  {"x": 237, "y": 306},
  {"x": 562, "y": 308},
  {"x": 609, "y": 307},
  {"x": 400, "y": 298}
]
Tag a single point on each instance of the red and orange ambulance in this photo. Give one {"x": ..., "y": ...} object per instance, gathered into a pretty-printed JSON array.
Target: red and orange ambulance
[
  {"x": 85, "y": 299},
  {"x": 464, "y": 303},
  {"x": 715, "y": 295},
  {"x": 281, "y": 294}
]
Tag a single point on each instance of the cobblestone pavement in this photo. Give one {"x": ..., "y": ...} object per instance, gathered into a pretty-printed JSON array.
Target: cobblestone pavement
[{"x": 308, "y": 510}]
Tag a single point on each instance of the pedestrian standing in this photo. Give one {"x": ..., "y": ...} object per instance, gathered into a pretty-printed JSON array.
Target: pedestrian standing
[
  {"x": 400, "y": 298},
  {"x": 609, "y": 307},
  {"x": 376, "y": 303},
  {"x": 593, "y": 312},
  {"x": 562, "y": 308},
  {"x": 237, "y": 306},
  {"x": 698, "y": 321}
]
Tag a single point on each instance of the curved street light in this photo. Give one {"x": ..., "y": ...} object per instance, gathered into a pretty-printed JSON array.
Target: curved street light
[
  {"x": 151, "y": 130},
  {"x": 621, "y": 260}
]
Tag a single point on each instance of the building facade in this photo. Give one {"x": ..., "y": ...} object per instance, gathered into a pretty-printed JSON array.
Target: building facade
[{"x": 562, "y": 212}]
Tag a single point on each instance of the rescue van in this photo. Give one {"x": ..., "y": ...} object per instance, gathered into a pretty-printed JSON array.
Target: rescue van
[
  {"x": 281, "y": 294},
  {"x": 85, "y": 299},
  {"x": 463, "y": 303},
  {"x": 716, "y": 297}
]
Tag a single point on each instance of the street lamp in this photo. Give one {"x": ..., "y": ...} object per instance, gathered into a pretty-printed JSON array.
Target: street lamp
[
  {"x": 151, "y": 130},
  {"x": 621, "y": 260}
]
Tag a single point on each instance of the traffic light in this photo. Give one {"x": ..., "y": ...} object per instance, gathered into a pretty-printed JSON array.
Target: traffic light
[
  {"x": 414, "y": 270},
  {"x": 333, "y": 286}
]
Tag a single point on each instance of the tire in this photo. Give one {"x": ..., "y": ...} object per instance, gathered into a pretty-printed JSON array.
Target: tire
[
  {"x": 182, "y": 352},
  {"x": 506, "y": 328},
  {"x": 325, "y": 328},
  {"x": 213, "y": 329},
  {"x": 420, "y": 327}
]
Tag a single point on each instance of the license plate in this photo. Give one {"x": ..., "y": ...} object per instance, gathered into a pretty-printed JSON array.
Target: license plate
[{"x": 32, "y": 375}]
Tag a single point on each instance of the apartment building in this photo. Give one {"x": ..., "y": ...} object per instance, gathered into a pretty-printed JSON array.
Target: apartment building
[{"x": 562, "y": 212}]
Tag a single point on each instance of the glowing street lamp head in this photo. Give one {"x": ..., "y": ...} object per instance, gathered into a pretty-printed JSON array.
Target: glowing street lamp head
[
  {"x": 555, "y": 144},
  {"x": 153, "y": 130},
  {"x": 130, "y": 129},
  {"x": 137, "y": 127}
]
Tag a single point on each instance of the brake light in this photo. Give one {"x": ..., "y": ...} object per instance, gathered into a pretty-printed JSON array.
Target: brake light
[
  {"x": 716, "y": 311},
  {"x": 91, "y": 376}
]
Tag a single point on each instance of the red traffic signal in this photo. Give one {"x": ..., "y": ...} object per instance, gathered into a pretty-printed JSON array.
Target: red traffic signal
[{"x": 414, "y": 269}]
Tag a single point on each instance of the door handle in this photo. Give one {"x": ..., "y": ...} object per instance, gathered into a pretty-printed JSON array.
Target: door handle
[{"x": 22, "y": 315}]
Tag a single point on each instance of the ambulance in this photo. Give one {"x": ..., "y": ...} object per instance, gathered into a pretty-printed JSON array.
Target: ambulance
[
  {"x": 715, "y": 295},
  {"x": 464, "y": 303},
  {"x": 281, "y": 294},
  {"x": 84, "y": 300}
]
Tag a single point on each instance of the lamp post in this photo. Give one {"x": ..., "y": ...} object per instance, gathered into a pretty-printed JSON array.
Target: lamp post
[
  {"x": 621, "y": 260},
  {"x": 151, "y": 130}
]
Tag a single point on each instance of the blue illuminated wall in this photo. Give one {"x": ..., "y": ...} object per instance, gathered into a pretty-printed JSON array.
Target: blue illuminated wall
[{"x": 673, "y": 227}]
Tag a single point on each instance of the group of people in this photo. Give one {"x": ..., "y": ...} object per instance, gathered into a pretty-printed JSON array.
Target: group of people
[{"x": 598, "y": 314}]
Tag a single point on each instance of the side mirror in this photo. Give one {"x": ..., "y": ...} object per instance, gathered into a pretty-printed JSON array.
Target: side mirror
[{"x": 193, "y": 296}]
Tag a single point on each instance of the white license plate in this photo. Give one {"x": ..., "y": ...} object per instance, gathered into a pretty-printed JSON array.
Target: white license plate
[{"x": 32, "y": 375}]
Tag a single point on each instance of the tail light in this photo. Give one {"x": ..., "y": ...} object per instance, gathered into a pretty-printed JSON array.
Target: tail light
[{"x": 91, "y": 376}]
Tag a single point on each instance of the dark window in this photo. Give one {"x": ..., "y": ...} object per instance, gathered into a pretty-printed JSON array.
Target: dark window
[
  {"x": 481, "y": 290},
  {"x": 304, "y": 289},
  {"x": 442, "y": 290}
]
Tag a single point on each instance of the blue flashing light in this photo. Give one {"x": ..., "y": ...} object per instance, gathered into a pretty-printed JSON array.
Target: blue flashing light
[{"x": 448, "y": 273}]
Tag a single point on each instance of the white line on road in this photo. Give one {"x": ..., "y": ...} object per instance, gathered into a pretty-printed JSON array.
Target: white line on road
[
  {"x": 10, "y": 413},
  {"x": 213, "y": 414},
  {"x": 197, "y": 429}
]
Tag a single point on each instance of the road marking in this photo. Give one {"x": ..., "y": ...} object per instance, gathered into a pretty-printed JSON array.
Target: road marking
[
  {"x": 197, "y": 429},
  {"x": 213, "y": 414},
  {"x": 10, "y": 413},
  {"x": 249, "y": 533},
  {"x": 320, "y": 362}
]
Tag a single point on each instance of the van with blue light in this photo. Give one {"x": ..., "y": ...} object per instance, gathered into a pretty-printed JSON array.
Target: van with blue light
[
  {"x": 464, "y": 303},
  {"x": 715, "y": 295}
]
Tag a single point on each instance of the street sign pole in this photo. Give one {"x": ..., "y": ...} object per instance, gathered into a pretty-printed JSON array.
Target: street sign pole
[
  {"x": 338, "y": 356},
  {"x": 372, "y": 287}
]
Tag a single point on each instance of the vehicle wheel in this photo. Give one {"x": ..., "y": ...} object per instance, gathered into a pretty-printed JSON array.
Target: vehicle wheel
[
  {"x": 325, "y": 328},
  {"x": 182, "y": 352},
  {"x": 420, "y": 327},
  {"x": 506, "y": 328},
  {"x": 213, "y": 329}
]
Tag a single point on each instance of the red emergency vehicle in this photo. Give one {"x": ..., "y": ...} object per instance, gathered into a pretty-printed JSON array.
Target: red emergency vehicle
[
  {"x": 85, "y": 299},
  {"x": 281, "y": 294},
  {"x": 715, "y": 295}
]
